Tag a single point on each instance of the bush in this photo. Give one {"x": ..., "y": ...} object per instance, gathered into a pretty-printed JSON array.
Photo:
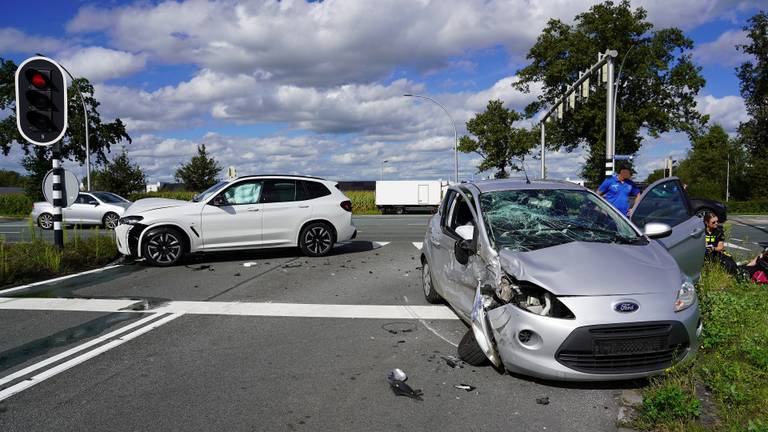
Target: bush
[
  {"x": 15, "y": 205},
  {"x": 748, "y": 207},
  {"x": 363, "y": 202},
  {"x": 39, "y": 259},
  {"x": 178, "y": 195}
]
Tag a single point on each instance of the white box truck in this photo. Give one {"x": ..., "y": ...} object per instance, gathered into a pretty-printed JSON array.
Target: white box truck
[{"x": 399, "y": 196}]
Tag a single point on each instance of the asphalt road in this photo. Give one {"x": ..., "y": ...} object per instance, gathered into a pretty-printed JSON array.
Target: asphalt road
[{"x": 285, "y": 343}]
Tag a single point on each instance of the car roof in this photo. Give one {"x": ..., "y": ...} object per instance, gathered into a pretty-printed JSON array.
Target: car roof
[
  {"x": 516, "y": 184},
  {"x": 281, "y": 176}
]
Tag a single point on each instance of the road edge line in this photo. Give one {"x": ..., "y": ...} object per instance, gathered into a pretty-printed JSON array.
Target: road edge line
[{"x": 58, "y": 279}]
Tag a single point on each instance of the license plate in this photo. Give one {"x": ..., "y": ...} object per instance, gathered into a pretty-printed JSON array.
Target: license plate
[{"x": 629, "y": 346}]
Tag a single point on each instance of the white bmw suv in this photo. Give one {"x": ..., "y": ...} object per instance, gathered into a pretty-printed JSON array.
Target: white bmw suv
[{"x": 245, "y": 213}]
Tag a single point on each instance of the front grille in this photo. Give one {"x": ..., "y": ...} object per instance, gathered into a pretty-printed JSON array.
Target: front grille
[{"x": 626, "y": 348}]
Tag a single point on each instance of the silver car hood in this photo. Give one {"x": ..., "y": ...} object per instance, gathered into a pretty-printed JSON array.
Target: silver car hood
[
  {"x": 146, "y": 204},
  {"x": 581, "y": 268}
]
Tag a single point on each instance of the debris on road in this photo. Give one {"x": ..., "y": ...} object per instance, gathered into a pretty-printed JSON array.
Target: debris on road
[
  {"x": 292, "y": 265},
  {"x": 201, "y": 267},
  {"x": 399, "y": 327},
  {"x": 249, "y": 264},
  {"x": 396, "y": 378},
  {"x": 465, "y": 387},
  {"x": 453, "y": 362},
  {"x": 543, "y": 401}
]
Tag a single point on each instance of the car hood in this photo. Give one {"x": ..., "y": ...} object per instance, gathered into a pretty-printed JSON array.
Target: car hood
[
  {"x": 593, "y": 269},
  {"x": 147, "y": 204}
]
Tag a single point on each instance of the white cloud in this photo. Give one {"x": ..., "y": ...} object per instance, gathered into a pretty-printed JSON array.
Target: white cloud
[
  {"x": 727, "y": 111},
  {"x": 13, "y": 40},
  {"x": 722, "y": 51},
  {"x": 100, "y": 64}
]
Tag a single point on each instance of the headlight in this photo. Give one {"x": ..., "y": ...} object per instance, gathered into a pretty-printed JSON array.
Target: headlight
[
  {"x": 131, "y": 220},
  {"x": 686, "y": 295}
]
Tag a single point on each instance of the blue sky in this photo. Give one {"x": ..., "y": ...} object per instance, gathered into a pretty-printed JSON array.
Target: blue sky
[{"x": 316, "y": 88}]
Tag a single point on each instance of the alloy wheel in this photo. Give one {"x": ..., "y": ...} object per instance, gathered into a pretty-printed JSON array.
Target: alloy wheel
[
  {"x": 164, "y": 248},
  {"x": 318, "y": 240},
  {"x": 45, "y": 221},
  {"x": 111, "y": 220},
  {"x": 426, "y": 279}
]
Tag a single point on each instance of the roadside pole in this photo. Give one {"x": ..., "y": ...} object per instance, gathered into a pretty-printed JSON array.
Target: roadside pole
[
  {"x": 58, "y": 194},
  {"x": 610, "y": 124}
]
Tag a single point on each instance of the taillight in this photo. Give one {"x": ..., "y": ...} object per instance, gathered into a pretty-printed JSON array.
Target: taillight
[{"x": 346, "y": 205}]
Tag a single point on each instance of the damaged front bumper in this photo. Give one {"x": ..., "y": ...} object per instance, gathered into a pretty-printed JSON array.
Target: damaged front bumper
[{"x": 610, "y": 346}]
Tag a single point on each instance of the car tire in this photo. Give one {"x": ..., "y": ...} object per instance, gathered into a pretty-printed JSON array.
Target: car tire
[
  {"x": 163, "y": 247},
  {"x": 45, "y": 221},
  {"x": 470, "y": 352},
  {"x": 400, "y": 210},
  {"x": 110, "y": 220},
  {"x": 316, "y": 239},
  {"x": 429, "y": 288}
]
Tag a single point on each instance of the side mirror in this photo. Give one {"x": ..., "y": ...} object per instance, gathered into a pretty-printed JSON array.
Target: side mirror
[
  {"x": 218, "y": 201},
  {"x": 657, "y": 230},
  {"x": 467, "y": 232}
]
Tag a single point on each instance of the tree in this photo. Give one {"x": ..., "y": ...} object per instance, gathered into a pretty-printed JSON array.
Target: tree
[
  {"x": 499, "y": 144},
  {"x": 200, "y": 173},
  {"x": 120, "y": 176},
  {"x": 11, "y": 179},
  {"x": 658, "y": 81},
  {"x": 101, "y": 135},
  {"x": 753, "y": 76}
]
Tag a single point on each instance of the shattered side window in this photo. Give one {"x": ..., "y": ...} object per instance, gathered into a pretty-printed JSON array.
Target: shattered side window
[{"x": 525, "y": 220}]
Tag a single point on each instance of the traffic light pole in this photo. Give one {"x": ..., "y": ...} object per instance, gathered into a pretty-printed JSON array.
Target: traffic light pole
[{"x": 58, "y": 196}]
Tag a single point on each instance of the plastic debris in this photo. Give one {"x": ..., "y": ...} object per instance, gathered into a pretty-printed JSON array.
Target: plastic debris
[
  {"x": 292, "y": 265},
  {"x": 453, "y": 362},
  {"x": 249, "y": 264},
  {"x": 202, "y": 267},
  {"x": 465, "y": 387},
  {"x": 543, "y": 401},
  {"x": 396, "y": 379}
]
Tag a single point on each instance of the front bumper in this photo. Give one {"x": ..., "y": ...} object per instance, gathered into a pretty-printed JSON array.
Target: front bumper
[
  {"x": 571, "y": 350},
  {"x": 127, "y": 237}
]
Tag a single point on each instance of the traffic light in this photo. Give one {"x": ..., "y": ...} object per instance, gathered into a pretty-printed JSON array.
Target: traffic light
[{"x": 41, "y": 101}]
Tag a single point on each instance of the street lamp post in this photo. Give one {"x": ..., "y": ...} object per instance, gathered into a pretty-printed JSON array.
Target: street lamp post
[
  {"x": 455, "y": 135},
  {"x": 381, "y": 172}
]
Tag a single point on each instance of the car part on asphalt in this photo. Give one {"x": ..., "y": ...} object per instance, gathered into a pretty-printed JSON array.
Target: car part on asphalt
[
  {"x": 396, "y": 379},
  {"x": 453, "y": 361},
  {"x": 465, "y": 387},
  {"x": 543, "y": 401}
]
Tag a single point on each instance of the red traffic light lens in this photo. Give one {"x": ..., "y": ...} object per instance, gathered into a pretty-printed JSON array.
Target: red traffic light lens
[{"x": 38, "y": 80}]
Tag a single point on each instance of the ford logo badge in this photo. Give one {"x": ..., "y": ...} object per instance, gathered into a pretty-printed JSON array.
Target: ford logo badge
[{"x": 626, "y": 307}]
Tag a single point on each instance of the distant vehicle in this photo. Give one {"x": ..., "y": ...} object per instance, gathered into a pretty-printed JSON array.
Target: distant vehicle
[
  {"x": 89, "y": 208},
  {"x": 249, "y": 212},
  {"x": 702, "y": 206},
  {"x": 399, "y": 196},
  {"x": 554, "y": 282}
]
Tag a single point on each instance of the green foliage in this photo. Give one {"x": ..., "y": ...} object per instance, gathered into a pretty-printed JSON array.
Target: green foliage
[
  {"x": 363, "y": 202},
  {"x": 498, "y": 143},
  {"x": 670, "y": 402},
  {"x": 748, "y": 207},
  {"x": 12, "y": 179},
  {"x": 15, "y": 205},
  {"x": 119, "y": 176},
  {"x": 39, "y": 259},
  {"x": 178, "y": 195},
  {"x": 200, "y": 173},
  {"x": 658, "y": 81},
  {"x": 753, "y": 75}
]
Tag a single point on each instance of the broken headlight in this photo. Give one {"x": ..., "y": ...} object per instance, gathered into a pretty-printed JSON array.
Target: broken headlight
[
  {"x": 534, "y": 299},
  {"x": 686, "y": 296},
  {"x": 130, "y": 220}
]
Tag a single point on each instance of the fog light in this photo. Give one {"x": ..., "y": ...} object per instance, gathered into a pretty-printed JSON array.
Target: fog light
[{"x": 525, "y": 336}]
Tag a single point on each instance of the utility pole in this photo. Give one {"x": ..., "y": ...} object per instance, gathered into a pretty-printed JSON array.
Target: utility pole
[{"x": 728, "y": 177}]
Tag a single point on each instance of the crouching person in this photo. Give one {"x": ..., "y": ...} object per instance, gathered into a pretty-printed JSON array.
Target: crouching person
[{"x": 716, "y": 244}]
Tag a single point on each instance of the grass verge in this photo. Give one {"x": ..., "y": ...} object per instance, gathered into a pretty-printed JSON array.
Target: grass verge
[
  {"x": 38, "y": 259},
  {"x": 725, "y": 388}
]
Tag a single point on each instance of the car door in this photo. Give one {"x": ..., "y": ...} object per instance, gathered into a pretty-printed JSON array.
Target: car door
[
  {"x": 284, "y": 209},
  {"x": 665, "y": 201},
  {"x": 232, "y": 218},
  {"x": 79, "y": 210},
  {"x": 459, "y": 283}
]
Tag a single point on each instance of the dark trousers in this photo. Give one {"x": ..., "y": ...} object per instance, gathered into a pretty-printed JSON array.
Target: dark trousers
[{"x": 725, "y": 261}]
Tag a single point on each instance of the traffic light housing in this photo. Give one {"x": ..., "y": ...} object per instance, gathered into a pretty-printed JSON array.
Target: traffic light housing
[{"x": 41, "y": 101}]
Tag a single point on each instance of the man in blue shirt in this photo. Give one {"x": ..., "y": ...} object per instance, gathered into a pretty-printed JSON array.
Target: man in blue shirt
[{"x": 617, "y": 189}]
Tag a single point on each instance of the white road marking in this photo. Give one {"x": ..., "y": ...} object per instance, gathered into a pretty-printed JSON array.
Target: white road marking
[
  {"x": 731, "y": 245},
  {"x": 37, "y": 379},
  {"x": 735, "y": 239},
  {"x": 377, "y": 245},
  {"x": 424, "y": 323},
  {"x": 58, "y": 279},
  {"x": 298, "y": 310},
  {"x": 66, "y": 304},
  {"x": 10, "y": 232},
  {"x": 418, "y": 245},
  {"x": 65, "y": 354}
]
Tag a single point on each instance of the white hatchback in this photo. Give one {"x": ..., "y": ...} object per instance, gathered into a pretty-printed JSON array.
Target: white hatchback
[{"x": 245, "y": 213}]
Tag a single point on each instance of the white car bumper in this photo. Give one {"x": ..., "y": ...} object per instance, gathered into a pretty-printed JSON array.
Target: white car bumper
[{"x": 121, "y": 235}]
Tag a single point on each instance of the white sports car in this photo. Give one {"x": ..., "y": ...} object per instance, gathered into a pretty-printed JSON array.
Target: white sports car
[
  {"x": 245, "y": 213},
  {"x": 90, "y": 208}
]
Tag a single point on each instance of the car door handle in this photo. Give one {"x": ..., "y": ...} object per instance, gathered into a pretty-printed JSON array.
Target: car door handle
[
  {"x": 304, "y": 206},
  {"x": 253, "y": 209},
  {"x": 696, "y": 232}
]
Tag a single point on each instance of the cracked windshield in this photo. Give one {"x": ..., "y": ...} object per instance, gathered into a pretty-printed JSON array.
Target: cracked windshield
[{"x": 525, "y": 220}]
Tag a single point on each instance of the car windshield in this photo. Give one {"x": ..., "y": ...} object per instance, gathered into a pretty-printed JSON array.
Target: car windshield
[
  {"x": 525, "y": 220},
  {"x": 109, "y": 198},
  {"x": 204, "y": 195}
]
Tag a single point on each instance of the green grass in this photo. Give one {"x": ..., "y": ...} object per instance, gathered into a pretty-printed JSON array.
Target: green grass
[
  {"x": 38, "y": 259},
  {"x": 731, "y": 368}
]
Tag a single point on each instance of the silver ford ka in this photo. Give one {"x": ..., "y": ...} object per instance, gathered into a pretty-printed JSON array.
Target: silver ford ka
[{"x": 555, "y": 283}]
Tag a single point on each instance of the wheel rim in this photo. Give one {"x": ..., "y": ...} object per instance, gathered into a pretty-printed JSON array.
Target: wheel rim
[
  {"x": 426, "y": 279},
  {"x": 110, "y": 221},
  {"x": 164, "y": 248},
  {"x": 46, "y": 221},
  {"x": 317, "y": 240},
  {"x": 701, "y": 213}
]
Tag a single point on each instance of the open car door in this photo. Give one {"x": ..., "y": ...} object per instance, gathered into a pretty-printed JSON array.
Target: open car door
[{"x": 665, "y": 201}]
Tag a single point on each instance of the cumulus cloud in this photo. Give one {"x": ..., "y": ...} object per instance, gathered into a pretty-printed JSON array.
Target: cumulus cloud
[
  {"x": 13, "y": 40},
  {"x": 100, "y": 64},
  {"x": 722, "y": 51},
  {"x": 727, "y": 111}
]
